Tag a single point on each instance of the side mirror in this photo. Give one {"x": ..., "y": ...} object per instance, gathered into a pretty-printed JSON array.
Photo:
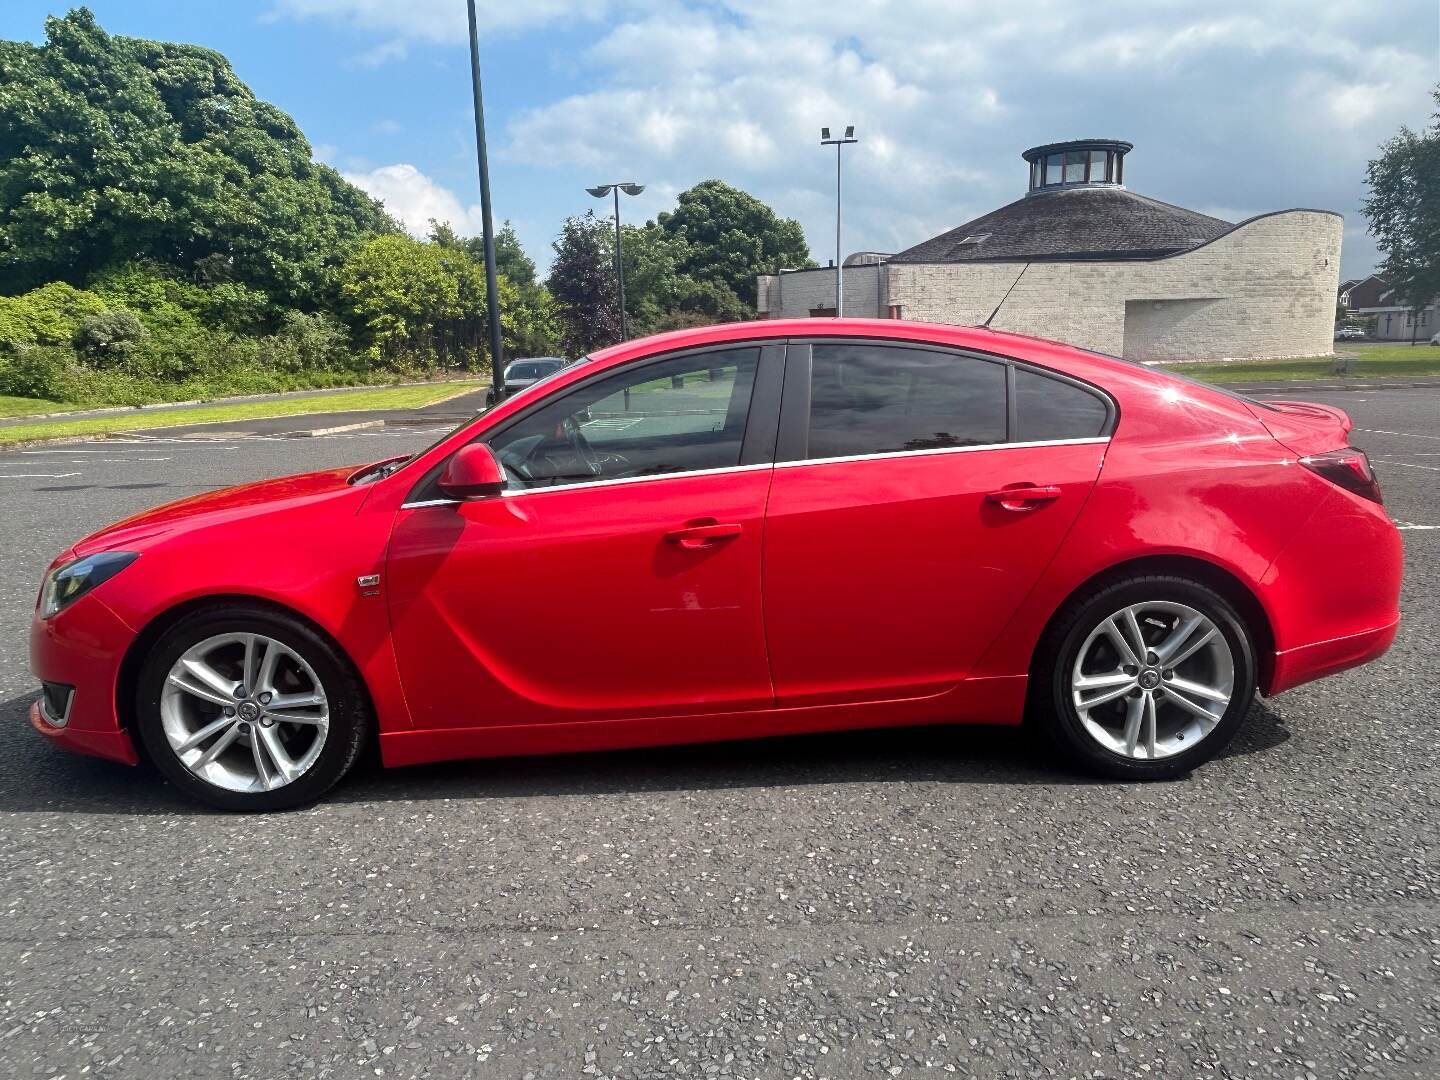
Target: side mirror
[{"x": 473, "y": 472}]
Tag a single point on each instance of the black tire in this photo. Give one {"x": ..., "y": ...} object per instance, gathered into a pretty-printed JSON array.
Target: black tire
[
  {"x": 1052, "y": 706},
  {"x": 348, "y": 705}
]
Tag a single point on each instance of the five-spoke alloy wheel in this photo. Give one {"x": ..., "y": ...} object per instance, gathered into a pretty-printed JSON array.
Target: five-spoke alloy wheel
[
  {"x": 250, "y": 709},
  {"x": 1147, "y": 677}
]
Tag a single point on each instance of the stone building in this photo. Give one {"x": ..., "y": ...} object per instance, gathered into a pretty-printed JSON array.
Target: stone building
[{"x": 1082, "y": 259}]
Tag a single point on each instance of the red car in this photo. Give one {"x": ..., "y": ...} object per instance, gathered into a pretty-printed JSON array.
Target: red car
[{"x": 745, "y": 530}]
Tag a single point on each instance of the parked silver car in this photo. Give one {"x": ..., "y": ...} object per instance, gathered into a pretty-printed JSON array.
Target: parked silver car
[{"x": 526, "y": 372}]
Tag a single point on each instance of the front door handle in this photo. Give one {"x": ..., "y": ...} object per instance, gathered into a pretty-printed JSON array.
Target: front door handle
[
  {"x": 1024, "y": 496},
  {"x": 700, "y": 536}
]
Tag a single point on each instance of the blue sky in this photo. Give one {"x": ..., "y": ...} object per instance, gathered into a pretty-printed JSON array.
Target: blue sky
[{"x": 1236, "y": 107}]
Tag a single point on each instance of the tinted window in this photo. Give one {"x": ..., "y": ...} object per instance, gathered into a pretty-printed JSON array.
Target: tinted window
[
  {"x": 875, "y": 399},
  {"x": 1047, "y": 408},
  {"x": 676, "y": 415},
  {"x": 532, "y": 369}
]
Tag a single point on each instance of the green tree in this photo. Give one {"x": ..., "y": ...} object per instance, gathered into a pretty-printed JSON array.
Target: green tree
[
  {"x": 659, "y": 295},
  {"x": 401, "y": 293},
  {"x": 114, "y": 148},
  {"x": 582, "y": 281},
  {"x": 528, "y": 318},
  {"x": 1404, "y": 212},
  {"x": 731, "y": 237}
]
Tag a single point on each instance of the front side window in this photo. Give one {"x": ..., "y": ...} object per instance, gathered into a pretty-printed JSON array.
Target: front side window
[
  {"x": 677, "y": 415},
  {"x": 877, "y": 399}
]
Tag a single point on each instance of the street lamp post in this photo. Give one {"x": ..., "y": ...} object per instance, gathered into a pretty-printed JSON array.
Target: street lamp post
[
  {"x": 630, "y": 188},
  {"x": 826, "y": 140},
  {"x": 492, "y": 292}
]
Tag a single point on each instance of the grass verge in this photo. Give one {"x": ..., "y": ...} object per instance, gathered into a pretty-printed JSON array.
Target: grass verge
[
  {"x": 26, "y": 406},
  {"x": 1372, "y": 361},
  {"x": 393, "y": 397}
]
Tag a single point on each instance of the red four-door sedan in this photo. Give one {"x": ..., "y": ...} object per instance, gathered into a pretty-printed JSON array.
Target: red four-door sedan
[{"x": 742, "y": 530}]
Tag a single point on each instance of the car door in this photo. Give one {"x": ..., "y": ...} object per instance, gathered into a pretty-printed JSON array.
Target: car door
[
  {"x": 918, "y": 493},
  {"x": 620, "y": 574}
]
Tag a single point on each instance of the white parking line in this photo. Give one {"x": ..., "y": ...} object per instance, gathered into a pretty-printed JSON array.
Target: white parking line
[
  {"x": 37, "y": 475},
  {"x": 1412, "y": 525},
  {"x": 1407, "y": 434},
  {"x": 1406, "y": 464}
]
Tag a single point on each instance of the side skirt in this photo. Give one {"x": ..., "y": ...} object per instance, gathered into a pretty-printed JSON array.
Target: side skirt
[{"x": 979, "y": 701}]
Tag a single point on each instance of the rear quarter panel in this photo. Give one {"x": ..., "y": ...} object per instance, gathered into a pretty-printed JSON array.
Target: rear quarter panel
[{"x": 1190, "y": 473}]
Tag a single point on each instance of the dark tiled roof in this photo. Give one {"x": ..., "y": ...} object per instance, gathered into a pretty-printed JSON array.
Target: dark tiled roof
[{"x": 1078, "y": 223}]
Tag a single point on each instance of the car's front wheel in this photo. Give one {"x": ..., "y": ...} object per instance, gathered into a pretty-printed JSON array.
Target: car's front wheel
[
  {"x": 250, "y": 709},
  {"x": 1146, "y": 678}
]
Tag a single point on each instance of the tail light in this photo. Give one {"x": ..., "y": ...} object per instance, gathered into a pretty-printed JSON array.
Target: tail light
[{"x": 1348, "y": 468}]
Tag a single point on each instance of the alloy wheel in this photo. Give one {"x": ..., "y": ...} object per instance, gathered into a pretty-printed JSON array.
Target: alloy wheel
[
  {"x": 1153, "y": 680},
  {"x": 244, "y": 712}
]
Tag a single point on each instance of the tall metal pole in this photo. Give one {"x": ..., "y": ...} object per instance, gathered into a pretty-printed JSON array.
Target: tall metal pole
[
  {"x": 620, "y": 268},
  {"x": 826, "y": 140},
  {"x": 492, "y": 291},
  {"x": 839, "y": 261}
]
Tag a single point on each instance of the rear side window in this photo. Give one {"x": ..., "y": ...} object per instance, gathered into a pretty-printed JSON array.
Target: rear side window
[
  {"x": 878, "y": 399},
  {"x": 1047, "y": 409}
]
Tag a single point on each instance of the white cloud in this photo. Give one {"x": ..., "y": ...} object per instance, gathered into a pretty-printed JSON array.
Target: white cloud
[
  {"x": 384, "y": 53},
  {"x": 415, "y": 199},
  {"x": 387, "y": 126},
  {"x": 1246, "y": 103},
  {"x": 1258, "y": 104}
]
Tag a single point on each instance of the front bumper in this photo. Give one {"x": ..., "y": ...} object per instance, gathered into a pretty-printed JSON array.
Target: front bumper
[{"x": 83, "y": 647}]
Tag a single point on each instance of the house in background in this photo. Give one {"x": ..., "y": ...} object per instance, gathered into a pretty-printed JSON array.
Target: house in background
[
  {"x": 1082, "y": 259},
  {"x": 1373, "y": 296}
]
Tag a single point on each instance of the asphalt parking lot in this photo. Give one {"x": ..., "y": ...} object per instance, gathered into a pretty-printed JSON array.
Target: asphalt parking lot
[{"x": 898, "y": 904}]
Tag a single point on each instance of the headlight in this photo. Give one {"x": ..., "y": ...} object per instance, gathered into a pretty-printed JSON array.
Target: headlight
[{"x": 66, "y": 584}]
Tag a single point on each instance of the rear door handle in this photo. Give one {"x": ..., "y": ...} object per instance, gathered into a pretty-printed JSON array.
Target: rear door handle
[
  {"x": 1023, "y": 496},
  {"x": 699, "y": 536}
]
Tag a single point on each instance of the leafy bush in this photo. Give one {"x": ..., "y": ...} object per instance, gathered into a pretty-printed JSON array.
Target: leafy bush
[
  {"x": 315, "y": 342},
  {"x": 107, "y": 338},
  {"x": 36, "y": 371},
  {"x": 45, "y": 316}
]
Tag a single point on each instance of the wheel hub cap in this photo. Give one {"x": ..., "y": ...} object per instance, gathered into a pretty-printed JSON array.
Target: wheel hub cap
[{"x": 1149, "y": 679}]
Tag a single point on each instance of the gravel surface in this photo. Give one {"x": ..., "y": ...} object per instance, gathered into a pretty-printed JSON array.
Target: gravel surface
[{"x": 905, "y": 903}]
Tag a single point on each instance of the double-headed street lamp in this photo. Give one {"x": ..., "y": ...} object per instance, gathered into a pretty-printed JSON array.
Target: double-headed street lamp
[
  {"x": 826, "y": 140},
  {"x": 630, "y": 188}
]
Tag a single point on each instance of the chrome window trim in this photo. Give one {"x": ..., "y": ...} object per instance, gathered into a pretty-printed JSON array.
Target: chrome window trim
[
  {"x": 515, "y": 493},
  {"x": 939, "y": 450}
]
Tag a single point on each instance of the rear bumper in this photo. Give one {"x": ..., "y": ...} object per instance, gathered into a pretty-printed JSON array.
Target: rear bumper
[
  {"x": 83, "y": 647},
  {"x": 1295, "y": 666}
]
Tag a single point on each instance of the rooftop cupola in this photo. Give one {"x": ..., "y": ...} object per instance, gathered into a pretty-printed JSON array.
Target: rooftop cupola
[{"x": 1078, "y": 163}]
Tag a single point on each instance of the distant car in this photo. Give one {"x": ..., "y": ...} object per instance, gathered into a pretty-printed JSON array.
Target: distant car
[
  {"x": 527, "y": 372},
  {"x": 1349, "y": 333},
  {"x": 766, "y": 528}
]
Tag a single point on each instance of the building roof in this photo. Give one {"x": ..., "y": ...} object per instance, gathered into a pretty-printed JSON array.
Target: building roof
[{"x": 1081, "y": 222}]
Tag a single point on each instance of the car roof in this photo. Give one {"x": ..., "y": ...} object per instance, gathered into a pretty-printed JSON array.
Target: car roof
[{"x": 1056, "y": 354}]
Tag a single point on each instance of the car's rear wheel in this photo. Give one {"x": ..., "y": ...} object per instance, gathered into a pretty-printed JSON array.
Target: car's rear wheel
[
  {"x": 1146, "y": 678},
  {"x": 250, "y": 709}
]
